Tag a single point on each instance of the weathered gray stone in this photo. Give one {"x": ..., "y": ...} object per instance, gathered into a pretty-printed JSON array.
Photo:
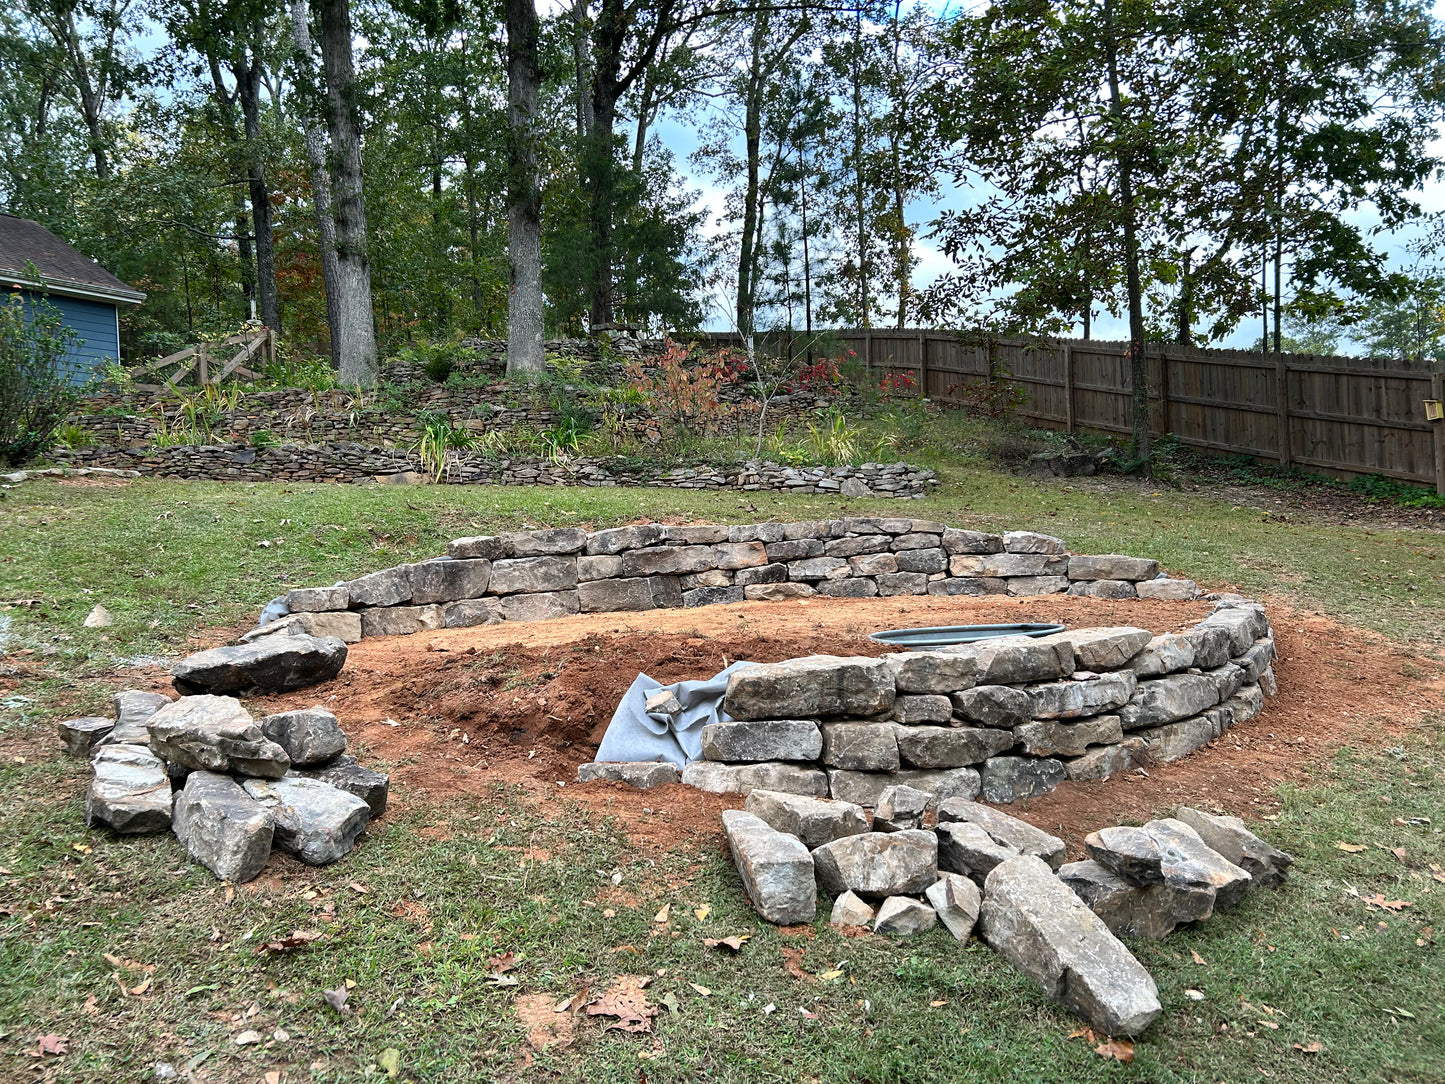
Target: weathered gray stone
[
  {"x": 694, "y": 534},
  {"x": 1256, "y": 660},
  {"x": 763, "y": 574},
  {"x": 1112, "y": 566},
  {"x": 639, "y": 774},
  {"x": 754, "y": 740},
  {"x": 813, "y": 820},
  {"x": 552, "y": 541},
  {"x": 994, "y": 706},
  {"x": 388, "y": 587},
  {"x": 957, "y": 541},
  {"x": 639, "y": 593},
  {"x": 1163, "y": 744},
  {"x": 849, "y": 909},
  {"x": 876, "y": 525},
  {"x": 273, "y": 664},
  {"x": 1010, "y": 660},
  {"x": 756, "y": 532},
  {"x": 317, "y": 599},
  {"x": 1101, "y": 763},
  {"x": 1032, "y": 542},
  {"x": 214, "y": 734},
  {"x": 1110, "y": 589},
  {"x": 776, "y": 869},
  {"x": 1245, "y": 624},
  {"x": 539, "y": 607},
  {"x": 1227, "y": 836},
  {"x": 78, "y": 736},
  {"x": 471, "y": 612},
  {"x": 1228, "y": 680},
  {"x": 1048, "y": 738},
  {"x": 852, "y": 587},
  {"x": 130, "y": 792},
  {"x": 810, "y": 687},
  {"x": 1168, "y": 699},
  {"x": 1004, "y": 829},
  {"x": 714, "y": 578},
  {"x": 1245, "y": 704},
  {"x": 932, "y": 672},
  {"x": 860, "y": 746},
  {"x": 967, "y": 850},
  {"x": 598, "y": 568},
  {"x": 923, "y": 560},
  {"x": 315, "y": 821},
  {"x": 667, "y": 560},
  {"x": 866, "y": 788},
  {"x": 344, "y": 773},
  {"x": 873, "y": 564},
  {"x": 133, "y": 708},
  {"x": 876, "y": 864},
  {"x": 489, "y": 547},
  {"x": 617, "y": 539},
  {"x": 1167, "y": 588},
  {"x": 744, "y": 778},
  {"x": 449, "y": 581},
  {"x": 1079, "y": 699},
  {"x": 949, "y": 747},
  {"x": 900, "y": 916},
  {"x": 957, "y": 901},
  {"x": 1037, "y": 585},
  {"x": 818, "y": 568},
  {"x": 918, "y": 540},
  {"x": 345, "y": 625},
  {"x": 712, "y": 596},
  {"x": 1166, "y": 654},
  {"x": 1151, "y": 912},
  {"x": 968, "y": 585},
  {"x": 1212, "y": 645},
  {"x": 1012, "y": 779},
  {"x": 922, "y": 708},
  {"x": 1040, "y": 926},
  {"x": 794, "y": 549},
  {"x": 1267, "y": 683},
  {"x": 777, "y": 592},
  {"x": 900, "y": 808},
  {"x": 857, "y": 545},
  {"x": 1105, "y": 648},
  {"x": 734, "y": 556},
  {"x": 311, "y": 736},
  {"x": 222, "y": 827},
  {"x": 663, "y": 702},
  {"x": 533, "y": 575},
  {"x": 402, "y": 620},
  {"x": 892, "y": 584},
  {"x": 1168, "y": 852},
  {"x": 1000, "y": 565}
]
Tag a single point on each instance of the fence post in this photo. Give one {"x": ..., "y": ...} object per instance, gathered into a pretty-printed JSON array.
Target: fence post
[
  {"x": 1437, "y": 392},
  {"x": 1069, "y": 386},
  {"x": 1281, "y": 392},
  {"x": 1166, "y": 421},
  {"x": 923, "y": 365}
]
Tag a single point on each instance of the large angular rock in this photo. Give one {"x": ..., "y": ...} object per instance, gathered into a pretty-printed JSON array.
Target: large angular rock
[
  {"x": 1040, "y": 926},
  {"x": 345, "y": 625},
  {"x": 471, "y": 612},
  {"x": 735, "y": 556},
  {"x": 852, "y": 587},
  {"x": 1032, "y": 542},
  {"x": 1050, "y": 737},
  {"x": 543, "y": 606},
  {"x": 637, "y": 593},
  {"x": 1105, "y": 761},
  {"x": 815, "y": 821},
  {"x": 79, "y": 736},
  {"x": 222, "y": 827},
  {"x": 1167, "y": 654},
  {"x": 925, "y": 561},
  {"x": 402, "y": 620},
  {"x": 449, "y": 581},
  {"x": 130, "y": 792},
  {"x": 344, "y": 773},
  {"x": 1104, "y": 649},
  {"x": 668, "y": 560},
  {"x": 949, "y": 747},
  {"x": 713, "y": 596},
  {"x": 932, "y": 672},
  {"x": 1227, "y": 836},
  {"x": 968, "y": 585},
  {"x": 617, "y": 539},
  {"x": 1008, "y": 831},
  {"x": 969, "y": 851},
  {"x": 490, "y": 547},
  {"x": 1256, "y": 660},
  {"x": 1166, "y": 588},
  {"x": 694, "y": 534},
  {"x": 763, "y": 574},
  {"x": 640, "y": 774},
  {"x": 958, "y": 541},
  {"x": 1012, "y": 779},
  {"x": 132, "y": 709},
  {"x": 1110, "y": 589},
  {"x": 922, "y": 708},
  {"x": 1163, "y": 744},
  {"x": 850, "y": 910},
  {"x": 1213, "y": 645},
  {"x": 1011, "y": 660},
  {"x": 1078, "y": 699},
  {"x": 274, "y": 664},
  {"x": 811, "y": 687},
  {"x": 745, "y": 778},
  {"x": 902, "y": 583},
  {"x": 1007, "y": 565},
  {"x": 866, "y": 788},
  {"x": 1168, "y": 852},
  {"x": 533, "y": 575},
  {"x": 754, "y": 740},
  {"x": 1037, "y": 585},
  {"x": 1168, "y": 699},
  {"x": 819, "y": 568},
  {"x": 957, "y": 900},
  {"x": 878, "y": 864},
  {"x": 318, "y": 599},
  {"x": 215, "y": 734},
  {"x": 900, "y": 809},
  {"x": 776, "y": 869},
  {"x": 1111, "y": 566},
  {"x": 857, "y": 545},
  {"x": 310, "y": 736},
  {"x": 547, "y": 542},
  {"x": 900, "y": 916},
  {"x": 995, "y": 706},
  {"x": 389, "y": 587},
  {"x": 776, "y": 592},
  {"x": 1243, "y": 625},
  {"x": 1128, "y": 910},
  {"x": 315, "y": 821},
  {"x": 860, "y": 746}
]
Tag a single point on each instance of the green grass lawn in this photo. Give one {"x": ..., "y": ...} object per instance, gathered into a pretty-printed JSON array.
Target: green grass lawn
[{"x": 1355, "y": 991}]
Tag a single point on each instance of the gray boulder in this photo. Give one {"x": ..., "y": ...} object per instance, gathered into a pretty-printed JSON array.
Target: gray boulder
[
  {"x": 916, "y": 709},
  {"x": 1110, "y": 589},
  {"x": 78, "y": 736},
  {"x": 215, "y": 734},
  {"x": 1151, "y": 912},
  {"x": 1227, "y": 836},
  {"x": 1213, "y": 645},
  {"x": 776, "y": 869},
  {"x": 1051, "y": 737},
  {"x": 1105, "y": 761},
  {"x": 551, "y": 540},
  {"x": 403, "y": 620},
  {"x": 1041, "y": 927},
  {"x": 1168, "y": 699},
  {"x": 1244, "y": 626},
  {"x": 994, "y": 706},
  {"x": 815, "y": 821},
  {"x": 1168, "y": 852},
  {"x": 860, "y": 746},
  {"x": 959, "y": 541},
  {"x": 949, "y": 747},
  {"x": 1174, "y": 740},
  {"x": 617, "y": 539},
  {"x": 900, "y": 916},
  {"x": 957, "y": 900},
  {"x": 315, "y": 821},
  {"x": 1011, "y": 660},
  {"x": 310, "y": 736},
  {"x": 776, "y": 592},
  {"x": 132, "y": 709},
  {"x": 850, "y": 910},
  {"x": 866, "y": 788},
  {"x": 274, "y": 664},
  {"x": 344, "y": 773},
  {"x": 222, "y": 827},
  {"x": 745, "y": 778},
  {"x": 388, "y": 587},
  {"x": 1009, "y": 831},
  {"x": 543, "y": 606},
  {"x": 130, "y": 792},
  {"x": 345, "y": 625},
  {"x": 1167, "y": 654},
  {"x": 488, "y": 547},
  {"x": 450, "y": 581},
  {"x": 1012, "y": 779},
  {"x": 318, "y": 599},
  {"x": 969, "y": 851},
  {"x": 1112, "y": 566},
  {"x": 756, "y": 740},
  {"x": 932, "y": 671},
  {"x": 810, "y": 687},
  {"x": 668, "y": 560},
  {"x": 1166, "y": 588},
  {"x": 1032, "y": 542},
  {"x": 878, "y": 864},
  {"x": 640, "y": 774},
  {"x": 533, "y": 575},
  {"x": 1077, "y": 699},
  {"x": 900, "y": 808},
  {"x": 636, "y": 593}
]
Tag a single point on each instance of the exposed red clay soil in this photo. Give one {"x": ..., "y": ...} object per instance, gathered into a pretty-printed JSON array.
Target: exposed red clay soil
[{"x": 458, "y": 711}]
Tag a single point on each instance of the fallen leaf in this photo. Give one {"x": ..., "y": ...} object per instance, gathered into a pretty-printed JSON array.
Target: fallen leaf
[
  {"x": 1392, "y": 906},
  {"x": 390, "y": 1061},
  {"x": 669, "y": 999},
  {"x": 503, "y": 980},
  {"x": 1194, "y": 995},
  {"x": 827, "y": 976},
  {"x": 625, "y": 1000},
  {"x": 337, "y": 999},
  {"x": 1398, "y": 852},
  {"x": 294, "y": 940},
  {"x": 1121, "y": 1050},
  {"x": 626, "y": 948},
  {"x": 938, "y": 1004},
  {"x": 1198, "y": 959},
  {"x": 503, "y": 963},
  {"x": 1269, "y": 1024},
  {"x": 136, "y": 991},
  {"x": 663, "y": 915},
  {"x": 702, "y": 912},
  {"x": 735, "y": 943},
  {"x": 53, "y": 1044},
  {"x": 703, "y": 990},
  {"x": 1312, "y": 1048},
  {"x": 1353, "y": 848},
  {"x": 272, "y": 1077},
  {"x": 92, "y": 1007},
  {"x": 248, "y": 1038},
  {"x": 793, "y": 964}
]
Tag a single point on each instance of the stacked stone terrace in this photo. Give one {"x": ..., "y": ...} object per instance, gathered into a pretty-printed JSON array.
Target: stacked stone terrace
[{"x": 532, "y": 575}]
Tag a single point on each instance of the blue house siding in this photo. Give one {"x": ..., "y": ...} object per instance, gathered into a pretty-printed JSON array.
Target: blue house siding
[{"x": 94, "y": 323}]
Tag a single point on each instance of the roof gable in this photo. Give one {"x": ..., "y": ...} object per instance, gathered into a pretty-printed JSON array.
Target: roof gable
[{"x": 63, "y": 268}]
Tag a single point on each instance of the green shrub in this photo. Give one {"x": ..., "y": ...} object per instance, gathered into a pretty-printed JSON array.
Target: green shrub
[{"x": 34, "y": 393}]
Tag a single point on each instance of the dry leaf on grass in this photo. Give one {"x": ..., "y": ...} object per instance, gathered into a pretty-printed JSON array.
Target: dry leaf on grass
[
  {"x": 793, "y": 964},
  {"x": 1312, "y": 1048},
  {"x": 703, "y": 990},
  {"x": 337, "y": 999},
  {"x": 702, "y": 912},
  {"x": 1352, "y": 848},
  {"x": 663, "y": 915},
  {"x": 625, "y": 1000},
  {"x": 294, "y": 940},
  {"x": 1198, "y": 959},
  {"x": 546, "y": 1023},
  {"x": 1393, "y": 906},
  {"x": 52, "y": 1044},
  {"x": 503, "y": 963},
  {"x": 1118, "y": 1049},
  {"x": 735, "y": 943}
]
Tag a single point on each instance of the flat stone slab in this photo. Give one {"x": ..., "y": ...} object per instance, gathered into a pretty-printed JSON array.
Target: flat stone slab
[
  {"x": 1012, "y": 660},
  {"x": 920, "y": 709},
  {"x": 969, "y": 851},
  {"x": 900, "y": 916},
  {"x": 533, "y": 575},
  {"x": 866, "y": 788},
  {"x": 815, "y": 821},
  {"x": 640, "y": 774},
  {"x": 900, "y": 808},
  {"x": 754, "y": 740},
  {"x": 1111, "y": 566},
  {"x": 222, "y": 827},
  {"x": 132, "y": 709},
  {"x": 776, "y": 868},
  {"x": 1004, "y": 829},
  {"x": 310, "y": 736},
  {"x": 78, "y": 736},
  {"x": 1167, "y": 700},
  {"x": 1106, "y": 760},
  {"x": 949, "y": 747},
  {"x": 1168, "y": 852},
  {"x": 860, "y": 746},
  {"x": 344, "y": 773},
  {"x": 851, "y": 910},
  {"x": 937, "y": 672},
  {"x": 878, "y": 864},
  {"x": 1012, "y": 779},
  {"x": 1053, "y": 737},
  {"x": 1079, "y": 699},
  {"x": 214, "y": 734},
  {"x": 403, "y": 620},
  {"x": 996, "y": 706},
  {"x": 957, "y": 900},
  {"x": 810, "y": 687},
  {"x": 1228, "y": 837},
  {"x": 1166, "y": 654},
  {"x": 450, "y": 581},
  {"x": 1039, "y": 925},
  {"x": 745, "y": 778},
  {"x": 1129, "y": 910},
  {"x": 345, "y": 625},
  {"x": 315, "y": 821},
  {"x": 270, "y": 664},
  {"x": 130, "y": 792}
]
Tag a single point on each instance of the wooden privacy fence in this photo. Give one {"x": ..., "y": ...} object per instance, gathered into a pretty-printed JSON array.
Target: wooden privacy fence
[{"x": 1349, "y": 416}]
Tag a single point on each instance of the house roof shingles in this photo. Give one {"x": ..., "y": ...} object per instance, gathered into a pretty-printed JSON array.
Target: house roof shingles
[{"x": 63, "y": 268}]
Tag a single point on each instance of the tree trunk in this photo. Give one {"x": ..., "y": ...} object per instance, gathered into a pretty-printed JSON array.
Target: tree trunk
[
  {"x": 246, "y": 67},
  {"x": 524, "y": 195},
  {"x": 752, "y": 140},
  {"x": 243, "y": 249},
  {"x": 355, "y": 342},
  {"x": 314, "y": 139},
  {"x": 864, "y": 318},
  {"x": 581, "y": 48}
]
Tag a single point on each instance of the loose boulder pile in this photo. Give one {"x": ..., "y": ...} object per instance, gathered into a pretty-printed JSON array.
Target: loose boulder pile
[
  {"x": 228, "y": 785},
  {"x": 980, "y": 869}
]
